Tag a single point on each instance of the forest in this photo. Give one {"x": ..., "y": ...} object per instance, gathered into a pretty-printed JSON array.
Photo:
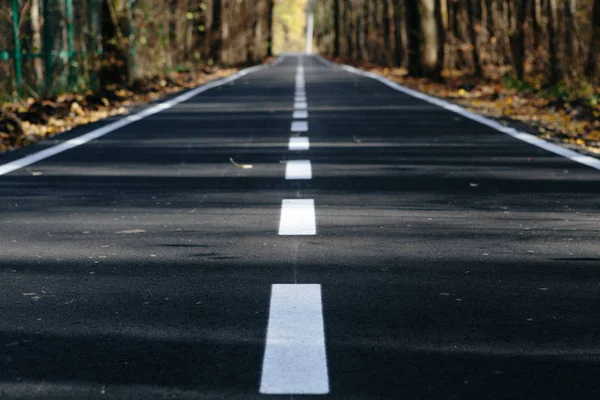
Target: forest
[
  {"x": 549, "y": 40},
  {"x": 520, "y": 61},
  {"x": 51, "y": 46}
]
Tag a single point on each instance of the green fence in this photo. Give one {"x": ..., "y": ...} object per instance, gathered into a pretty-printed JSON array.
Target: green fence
[{"x": 48, "y": 46}]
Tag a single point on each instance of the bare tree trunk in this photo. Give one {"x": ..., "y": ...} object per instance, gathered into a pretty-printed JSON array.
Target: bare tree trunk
[
  {"x": 538, "y": 31},
  {"x": 387, "y": 30},
  {"x": 571, "y": 31},
  {"x": 348, "y": 28},
  {"x": 37, "y": 41},
  {"x": 215, "y": 31},
  {"x": 472, "y": 14},
  {"x": 457, "y": 33},
  {"x": 366, "y": 29},
  {"x": 422, "y": 33},
  {"x": 251, "y": 13},
  {"x": 336, "y": 28},
  {"x": 429, "y": 38},
  {"x": 555, "y": 70},
  {"x": 270, "y": 6},
  {"x": 200, "y": 32},
  {"x": 171, "y": 59},
  {"x": 517, "y": 38},
  {"x": 358, "y": 29},
  {"x": 592, "y": 68},
  {"x": 490, "y": 11},
  {"x": 441, "y": 37},
  {"x": 398, "y": 42},
  {"x": 413, "y": 31}
]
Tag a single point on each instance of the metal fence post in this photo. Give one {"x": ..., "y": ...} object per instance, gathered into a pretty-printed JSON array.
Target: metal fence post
[
  {"x": 18, "y": 55},
  {"x": 48, "y": 46},
  {"x": 95, "y": 43},
  {"x": 70, "y": 41}
]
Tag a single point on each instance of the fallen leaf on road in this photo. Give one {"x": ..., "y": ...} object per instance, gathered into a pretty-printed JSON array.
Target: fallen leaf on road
[
  {"x": 132, "y": 231},
  {"x": 34, "y": 173},
  {"x": 242, "y": 166}
]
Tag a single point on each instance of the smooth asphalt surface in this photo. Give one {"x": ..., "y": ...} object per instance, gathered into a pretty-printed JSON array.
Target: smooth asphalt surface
[{"x": 455, "y": 262}]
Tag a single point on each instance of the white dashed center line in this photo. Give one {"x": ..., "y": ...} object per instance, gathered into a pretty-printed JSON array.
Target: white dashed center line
[
  {"x": 298, "y": 169},
  {"x": 297, "y": 217},
  {"x": 301, "y": 105},
  {"x": 300, "y": 114},
  {"x": 295, "y": 360},
  {"x": 299, "y": 144},
  {"x": 299, "y": 126}
]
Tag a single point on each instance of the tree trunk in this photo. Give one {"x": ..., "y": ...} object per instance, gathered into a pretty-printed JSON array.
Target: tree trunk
[
  {"x": 538, "y": 31},
  {"x": 571, "y": 31},
  {"x": 517, "y": 38},
  {"x": 398, "y": 42},
  {"x": 348, "y": 28},
  {"x": 200, "y": 32},
  {"x": 593, "y": 59},
  {"x": 336, "y": 28},
  {"x": 422, "y": 38},
  {"x": 472, "y": 14},
  {"x": 358, "y": 32},
  {"x": 387, "y": 29},
  {"x": 172, "y": 59},
  {"x": 457, "y": 32},
  {"x": 429, "y": 38},
  {"x": 555, "y": 70},
  {"x": 441, "y": 38},
  {"x": 270, "y": 6},
  {"x": 37, "y": 41},
  {"x": 413, "y": 31},
  {"x": 215, "y": 31},
  {"x": 490, "y": 11},
  {"x": 366, "y": 29}
]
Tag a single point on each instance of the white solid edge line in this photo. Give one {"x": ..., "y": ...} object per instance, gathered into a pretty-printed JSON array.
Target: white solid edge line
[
  {"x": 299, "y": 144},
  {"x": 299, "y": 126},
  {"x": 301, "y": 105},
  {"x": 300, "y": 114},
  {"x": 298, "y": 169},
  {"x": 126, "y": 120},
  {"x": 297, "y": 217},
  {"x": 525, "y": 137},
  {"x": 295, "y": 359}
]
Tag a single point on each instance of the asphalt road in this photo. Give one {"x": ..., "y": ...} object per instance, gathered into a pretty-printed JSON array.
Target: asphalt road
[{"x": 449, "y": 261}]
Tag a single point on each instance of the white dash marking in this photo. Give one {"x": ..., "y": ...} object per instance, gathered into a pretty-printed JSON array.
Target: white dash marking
[
  {"x": 300, "y": 105},
  {"x": 295, "y": 360},
  {"x": 298, "y": 169},
  {"x": 300, "y": 99},
  {"x": 299, "y": 126},
  {"x": 300, "y": 114},
  {"x": 299, "y": 144},
  {"x": 297, "y": 217}
]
